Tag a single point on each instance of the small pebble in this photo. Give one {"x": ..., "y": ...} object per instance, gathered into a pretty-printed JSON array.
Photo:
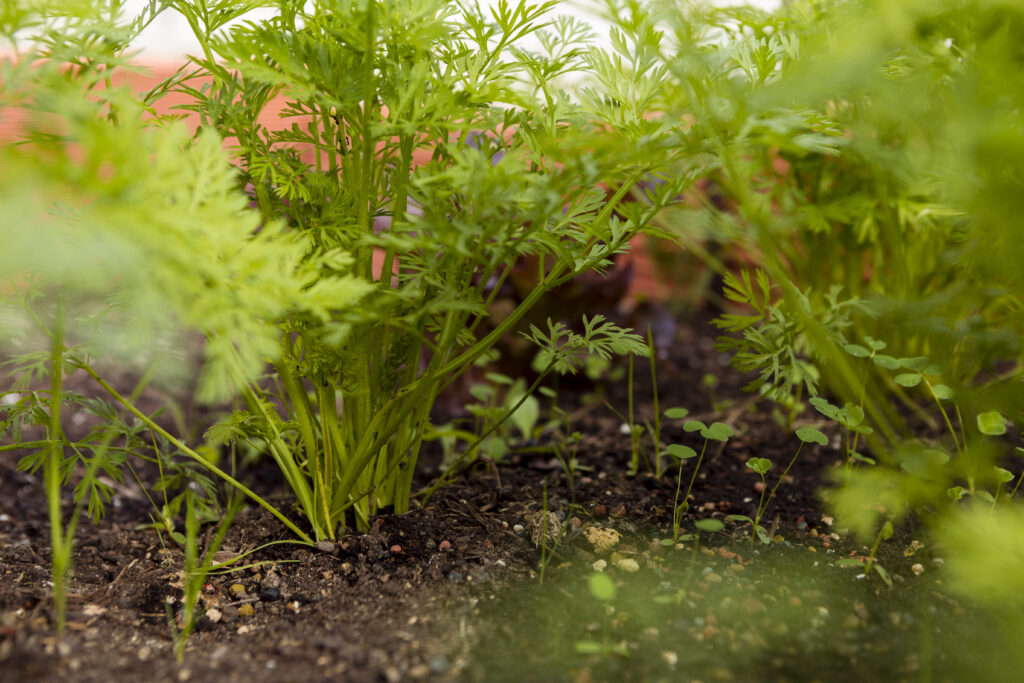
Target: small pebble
[
  {"x": 454, "y": 576},
  {"x": 628, "y": 564},
  {"x": 326, "y": 546},
  {"x": 246, "y": 610},
  {"x": 618, "y": 511},
  {"x": 600, "y": 511},
  {"x": 444, "y": 545},
  {"x": 270, "y": 594},
  {"x": 237, "y": 591},
  {"x": 439, "y": 664},
  {"x": 918, "y": 569},
  {"x": 575, "y": 522},
  {"x": 396, "y": 549}
]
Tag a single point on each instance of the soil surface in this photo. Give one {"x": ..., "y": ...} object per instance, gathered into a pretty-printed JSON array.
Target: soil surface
[{"x": 454, "y": 591}]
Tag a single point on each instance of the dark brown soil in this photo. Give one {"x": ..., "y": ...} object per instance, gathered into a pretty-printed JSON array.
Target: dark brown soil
[{"x": 452, "y": 590}]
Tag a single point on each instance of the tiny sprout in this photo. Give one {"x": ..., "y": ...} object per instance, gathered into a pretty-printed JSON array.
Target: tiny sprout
[
  {"x": 718, "y": 431},
  {"x": 676, "y": 413},
  {"x": 761, "y": 466}
]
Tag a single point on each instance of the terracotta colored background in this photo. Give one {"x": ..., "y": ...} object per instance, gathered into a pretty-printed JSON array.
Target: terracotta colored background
[{"x": 645, "y": 282}]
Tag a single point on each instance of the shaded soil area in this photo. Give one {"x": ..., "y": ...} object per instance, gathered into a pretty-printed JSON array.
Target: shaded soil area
[{"x": 453, "y": 591}]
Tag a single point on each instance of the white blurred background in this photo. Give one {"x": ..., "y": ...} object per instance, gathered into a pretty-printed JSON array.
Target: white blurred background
[{"x": 169, "y": 37}]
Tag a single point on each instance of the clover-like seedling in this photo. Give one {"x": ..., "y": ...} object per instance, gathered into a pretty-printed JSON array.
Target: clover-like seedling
[
  {"x": 717, "y": 431},
  {"x": 851, "y": 418},
  {"x": 761, "y": 467}
]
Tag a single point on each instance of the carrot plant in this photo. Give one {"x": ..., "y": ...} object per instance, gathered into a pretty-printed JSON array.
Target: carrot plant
[{"x": 514, "y": 171}]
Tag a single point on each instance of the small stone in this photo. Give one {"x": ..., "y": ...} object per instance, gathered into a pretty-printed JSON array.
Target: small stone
[
  {"x": 214, "y": 615},
  {"x": 575, "y": 522},
  {"x": 454, "y": 576},
  {"x": 618, "y": 511},
  {"x": 600, "y": 511},
  {"x": 145, "y": 652},
  {"x": 272, "y": 580},
  {"x": 392, "y": 674},
  {"x": 917, "y": 568},
  {"x": 396, "y": 549},
  {"x": 628, "y": 564},
  {"x": 439, "y": 664},
  {"x": 229, "y": 614},
  {"x": 237, "y": 591},
  {"x": 600, "y": 565},
  {"x": 655, "y": 547},
  {"x": 602, "y": 539},
  {"x": 419, "y": 672},
  {"x": 244, "y": 629},
  {"x": 326, "y": 547},
  {"x": 184, "y": 675},
  {"x": 246, "y": 610},
  {"x": 270, "y": 594},
  {"x": 519, "y": 530},
  {"x": 445, "y": 545}
]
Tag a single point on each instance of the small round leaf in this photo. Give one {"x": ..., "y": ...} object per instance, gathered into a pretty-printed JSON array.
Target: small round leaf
[
  {"x": 760, "y": 465},
  {"x": 694, "y": 426},
  {"x": 857, "y": 351},
  {"x": 942, "y": 392},
  {"x": 908, "y": 379},
  {"x": 719, "y": 431},
  {"x": 811, "y": 435},
  {"x": 916, "y": 364},
  {"x": 874, "y": 343},
  {"x": 681, "y": 452},
  {"x": 676, "y": 413},
  {"x": 1003, "y": 476},
  {"x": 991, "y": 423},
  {"x": 709, "y": 524},
  {"x": 887, "y": 362}
]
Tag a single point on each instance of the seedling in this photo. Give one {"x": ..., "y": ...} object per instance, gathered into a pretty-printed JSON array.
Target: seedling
[
  {"x": 851, "y": 422},
  {"x": 761, "y": 467},
  {"x": 195, "y": 571},
  {"x": 602, "y": 589},
  {"x": 717, "y": 431},
  {"x": 869, "y": 562}
]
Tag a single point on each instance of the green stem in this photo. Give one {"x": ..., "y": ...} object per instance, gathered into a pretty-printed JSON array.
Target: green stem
[
  {"x": 777, "y": 484},
  {"x": 695, "y": 470},
  {"x": 146, "y": 420},
  {"x": 60, "y": 552}
]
